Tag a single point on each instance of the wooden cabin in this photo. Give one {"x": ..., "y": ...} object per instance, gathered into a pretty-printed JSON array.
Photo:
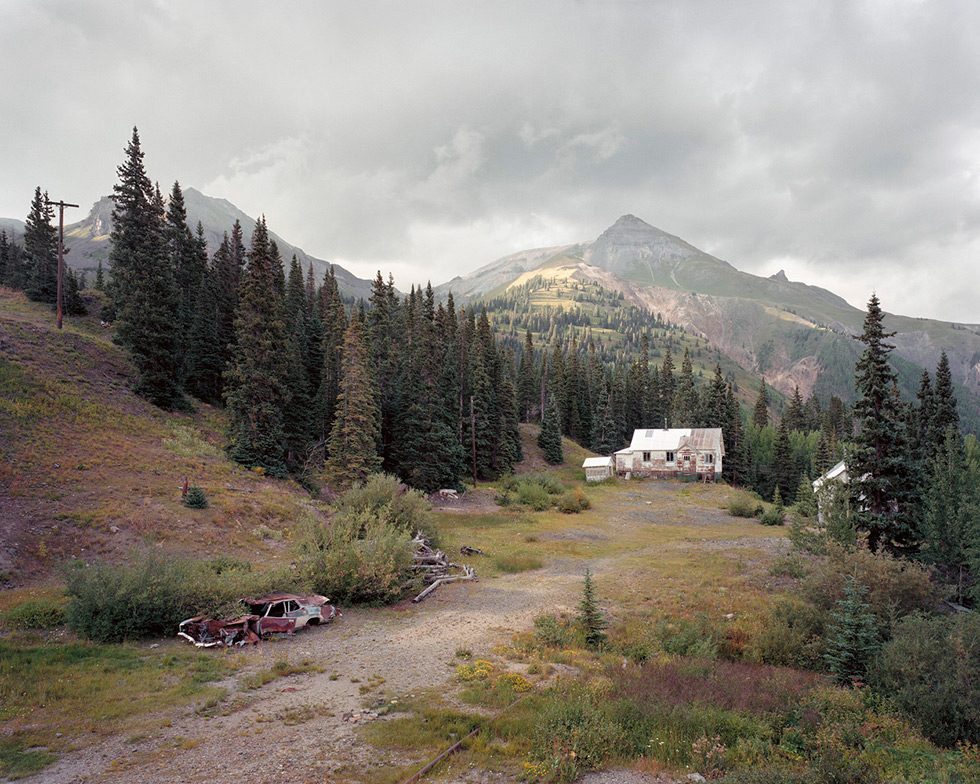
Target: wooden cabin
[{"x": 673, "y": 453}]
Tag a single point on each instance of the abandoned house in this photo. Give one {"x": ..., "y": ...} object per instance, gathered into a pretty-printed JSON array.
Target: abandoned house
[
  {"x": 597, "y": 468},
  {"x": 674, "y": 453}
]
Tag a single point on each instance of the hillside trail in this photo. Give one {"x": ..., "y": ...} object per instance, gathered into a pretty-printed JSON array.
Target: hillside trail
[{"x": 294, "y": 729}]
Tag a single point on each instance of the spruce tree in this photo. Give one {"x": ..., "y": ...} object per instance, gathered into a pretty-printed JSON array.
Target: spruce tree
[
  {"x": 100, "y": 277},
  {"x": 950, "y": 511},
  {"x": 685, "y": 405},
  {"x": 255, "y": 389},
  {"x": 74, "y": 304},
  {"x": 41, "y": 250},
  {"x": 760, "y": 414},
  {"x": 590, "y": 616},
  {"x": 944, "y": 413},
  {"x": 298, "y": 411},
  {"x": 605, "y": 433},
  {"x": 852, "y": 639},
  {"x": 333, "y": 322},
  {"x": 784, "y": 470},
  {"x": 353, "y": 449},
  {"x": 667, "y": 384},
  {"x": 527, "y": 381},
  {"x": 806, "y": 498},
  {"x": 794, "y": 416},
  {"x": 549, "y": 439},
  {"x": 880, "y": 478},
  {"x": 144, "y": 294}
]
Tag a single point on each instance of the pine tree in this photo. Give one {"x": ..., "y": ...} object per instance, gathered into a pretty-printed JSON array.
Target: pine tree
[
  {"x": 590, "y": 616},
  {"x": 333, "y": 320},
  {"x": 806, "y": 498},
  {"x": 12, "y": 268},
  {"x": 784, "y": 470},
  {"x": 880, "y": 477},
  {"x": 667, "y": 384},
  {"x": 353, "y": 445},
  {"x": 852, "y": 639},
  {"x": 736, "y": 462},
  {"x": 205, "y": 355},
  {"x": 41, "y": 250},
  {"x": 949, "y": 509},
  {"x": 188, "y": 265},
  {"x": 685, "y": 405},
  {"x": 944, "y": 413},
  {"x": 74, "y": 304},
  {"x": 255, "y": 391},
  {"x": 760, "y": 414},
  {"x": 527, "y": 381},
  {"x": 794, "y": 416},
  {"x": 549, "y": 439},
  {"x": 100, "y": 277},
  {"x": 144, "y": 293},
  {"x": 605, "y": 432},
  {"x": 298, "y": 411}
]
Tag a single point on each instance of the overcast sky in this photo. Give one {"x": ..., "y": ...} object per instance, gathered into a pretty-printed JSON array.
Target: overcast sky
[{"x": 839, "y": 141}]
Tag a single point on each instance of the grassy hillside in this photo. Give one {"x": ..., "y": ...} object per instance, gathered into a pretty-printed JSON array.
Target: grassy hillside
[{"x": 89, "y": 470}]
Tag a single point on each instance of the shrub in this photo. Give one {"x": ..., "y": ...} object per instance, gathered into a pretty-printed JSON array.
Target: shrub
[
  {"x": 745, "y": 506},
  {"x": 572, "y": 735},
  {"x": 361, "y": 557},
  {"x": 533, "y": 495},
  {"x": 195, "y": 498},
  {"x": 154, "y": 592},
  {"x": 551, "y": 484},
  {"x": 929, "y": 670},
  {"x": 554, "y": 632},
  {"x": 684, "y": 637},
  {"x": 895, "y": 587},
  {"x": 773, "y": 516},
  {"x": 573, "y": 501},
  {"x": 792, "y": 636},
  {"x": 35, "y": 614},
  {"x": 408, "y": 510}
]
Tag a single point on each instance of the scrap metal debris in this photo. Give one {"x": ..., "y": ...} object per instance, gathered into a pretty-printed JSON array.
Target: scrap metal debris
[
  {"x": 467, "y": 550},
  {"x": 281, "y": 613},
  {"x": 435, "y": 567}
]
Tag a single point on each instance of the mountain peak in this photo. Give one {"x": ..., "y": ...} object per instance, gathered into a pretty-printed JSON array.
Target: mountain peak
[
  {"x": 780, "y": 277},
  {"x": 630, "y": 220}
]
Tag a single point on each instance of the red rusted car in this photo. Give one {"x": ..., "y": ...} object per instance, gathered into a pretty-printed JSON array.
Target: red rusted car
[{"x": 280, "y": 613}]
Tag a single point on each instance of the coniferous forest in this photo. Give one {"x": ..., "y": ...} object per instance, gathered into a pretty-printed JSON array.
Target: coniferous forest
[{"x": 328, "y": 390}]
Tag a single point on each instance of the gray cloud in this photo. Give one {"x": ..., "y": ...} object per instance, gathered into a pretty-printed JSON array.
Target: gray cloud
[{"x": 837, "y": 140}]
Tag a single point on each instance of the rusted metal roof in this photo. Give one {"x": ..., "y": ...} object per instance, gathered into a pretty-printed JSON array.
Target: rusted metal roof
[{"x": 703, "y": 439}]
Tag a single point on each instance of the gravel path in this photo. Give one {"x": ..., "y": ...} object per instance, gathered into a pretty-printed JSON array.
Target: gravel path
[{"x": 293, "y": 729}]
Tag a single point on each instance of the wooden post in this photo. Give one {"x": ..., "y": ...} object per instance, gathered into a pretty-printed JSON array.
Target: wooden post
[{"x": 61, "y": 256}]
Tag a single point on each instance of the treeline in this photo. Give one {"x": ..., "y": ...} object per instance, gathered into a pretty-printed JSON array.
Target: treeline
[
  {"x": 398, "y": 384},
  {"x": 32, "y": 267}
]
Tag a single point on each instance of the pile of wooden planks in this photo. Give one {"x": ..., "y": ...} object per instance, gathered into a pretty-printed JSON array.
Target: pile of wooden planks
[{"x": 435, "y": 567}]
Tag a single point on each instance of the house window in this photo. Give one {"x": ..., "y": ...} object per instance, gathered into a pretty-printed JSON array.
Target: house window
[
  {"x": 646, "y": 457},
  {"x": 709, "y": 459},
  {"x": 670, "y": 457}
]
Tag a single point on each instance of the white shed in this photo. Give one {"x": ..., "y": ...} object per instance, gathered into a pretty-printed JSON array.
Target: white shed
[{"x": 598, "y": 468}]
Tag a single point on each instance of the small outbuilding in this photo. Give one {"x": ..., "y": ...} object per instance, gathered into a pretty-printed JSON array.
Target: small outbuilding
[{"x": 597, "y": 468}]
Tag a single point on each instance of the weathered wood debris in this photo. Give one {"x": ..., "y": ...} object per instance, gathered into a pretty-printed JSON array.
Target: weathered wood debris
[{"x": 435, "y": 567}]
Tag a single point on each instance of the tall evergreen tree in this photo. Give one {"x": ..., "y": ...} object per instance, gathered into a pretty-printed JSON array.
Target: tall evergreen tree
[
  {"x": 333, "y": 319},
  {"x": 852, "y": 639},
  {"x": 549, "y": 439},
  {"x": 684, "y": 410},
  {"x": 527, "y": 381},
  {"x": 794, "y": 416},
  {"x": 880, "y": 477},
  {"x": 41, "y": 250},
  {"x": 353, "y": 438},
  {"x": 760, "y": 414},
  {"x": 100, "y": 277},
  {"x": 255, "y": 388},
  {"x": 944, "y": 413},
  {"x": 144, "y": 292},
  {"x": 785, "y": 473}
]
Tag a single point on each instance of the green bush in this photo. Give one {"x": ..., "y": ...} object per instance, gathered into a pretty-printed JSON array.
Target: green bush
[
  {"x": 407, "y": 510},
  {"x": 774, "y": 515},
  {"x": 154, "y": 592},
  {"x": 792, "y": 636},
  {"x": 895, "y": 587},
  {"x": 551, "y": 484},
  {"x": 929, "y": 669},
  {"x": 359, "y": 558},
  {"x": 533, "y": 495},
  {"x": 573, "y": 501},
  {"x": 745, "y": 506},
  {"x": 573, "y": 735},
  {"x": 35, "y": 614},
  {"x": 196, "y": 498},
  {"x": 556, "y": 632}
]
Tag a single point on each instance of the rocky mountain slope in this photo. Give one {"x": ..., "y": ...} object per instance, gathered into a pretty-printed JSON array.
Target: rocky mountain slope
[
  {"x": 88, "y": 239},
  {"x": 790, "y": 332}
]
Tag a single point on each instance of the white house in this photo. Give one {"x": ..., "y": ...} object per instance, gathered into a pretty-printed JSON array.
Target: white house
[
  {"x": 837, "y": 473},
  {"x": 597, "y": 468},
  {"x": 678, "y": 452}
]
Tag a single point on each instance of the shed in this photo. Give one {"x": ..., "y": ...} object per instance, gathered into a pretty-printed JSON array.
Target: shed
[{"x": 597, "y": 468}]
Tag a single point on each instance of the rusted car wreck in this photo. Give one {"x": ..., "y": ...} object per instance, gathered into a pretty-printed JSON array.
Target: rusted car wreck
[{"x": 281, "y": 613}]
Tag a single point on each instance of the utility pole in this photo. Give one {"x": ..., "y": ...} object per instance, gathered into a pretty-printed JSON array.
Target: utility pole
[
  {"x": 473, "y": 437},
  {"x": 61, "y": 254}
]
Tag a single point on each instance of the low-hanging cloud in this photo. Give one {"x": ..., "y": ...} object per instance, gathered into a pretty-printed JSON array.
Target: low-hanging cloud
[{"x": 839, "y": 141}]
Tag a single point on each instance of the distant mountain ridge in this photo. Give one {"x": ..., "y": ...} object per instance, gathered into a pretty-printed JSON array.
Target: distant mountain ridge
[
  {"x": 88, "y": 239},
  {"x": 790, "y": 332}
]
